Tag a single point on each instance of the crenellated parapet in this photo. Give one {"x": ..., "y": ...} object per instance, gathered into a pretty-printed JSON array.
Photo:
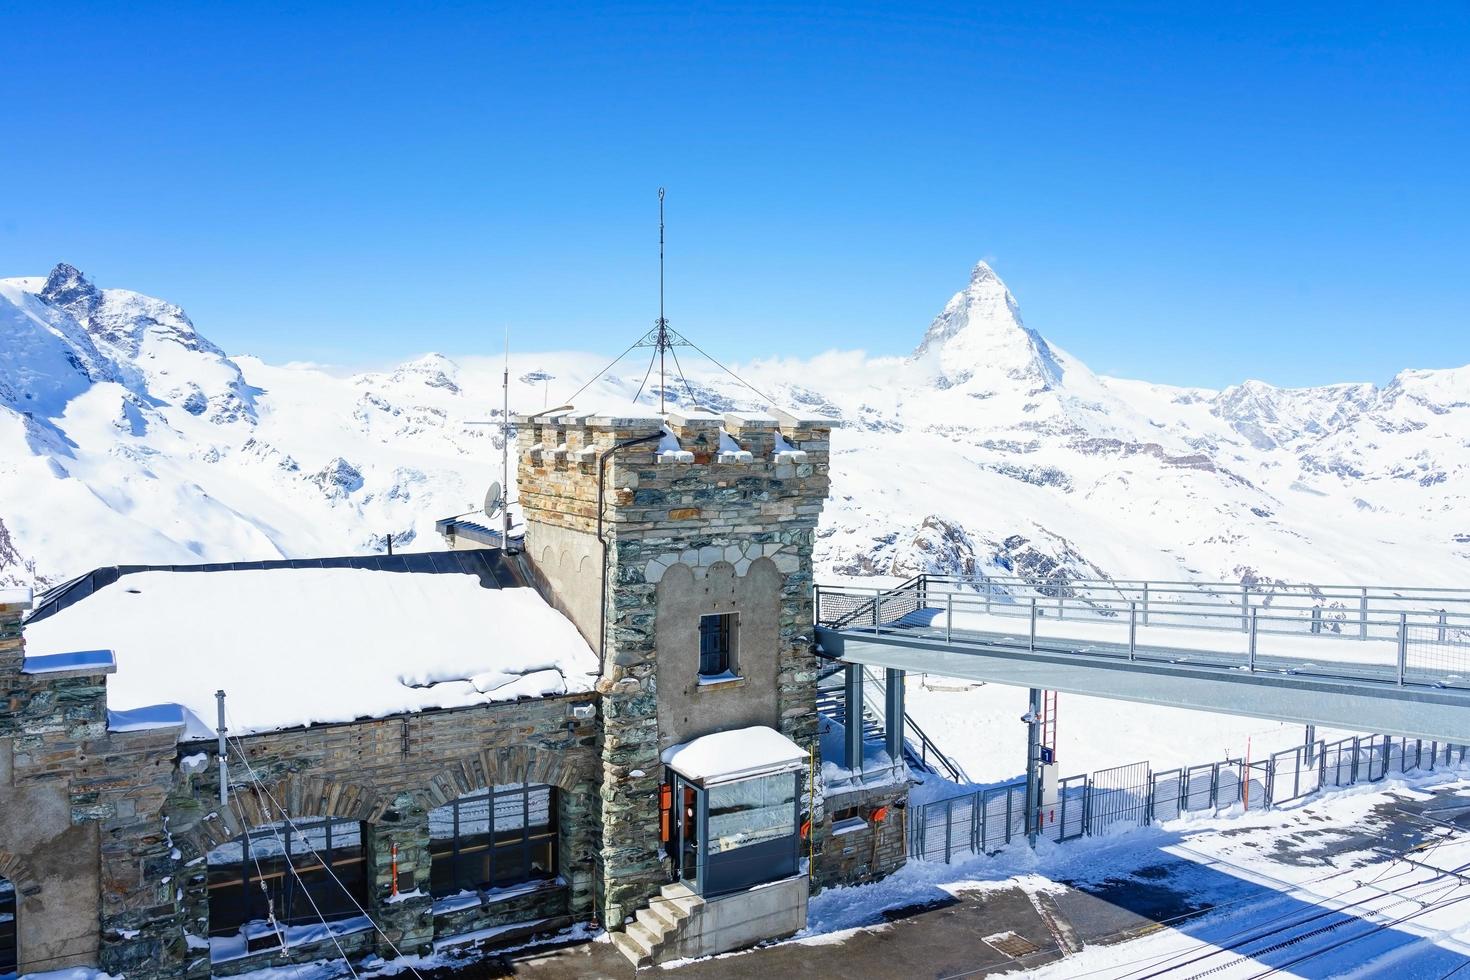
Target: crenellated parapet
[{"x": 701, "y": 514}]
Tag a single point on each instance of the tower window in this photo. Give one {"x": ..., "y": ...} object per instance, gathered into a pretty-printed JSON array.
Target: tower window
[{"x": 717, "y": 645}]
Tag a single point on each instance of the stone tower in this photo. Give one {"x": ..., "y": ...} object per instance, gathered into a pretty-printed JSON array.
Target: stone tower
[{"x": 640, "y": 528}]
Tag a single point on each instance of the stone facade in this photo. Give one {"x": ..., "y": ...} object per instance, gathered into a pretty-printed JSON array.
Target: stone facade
[
  {"x": 389, "y": 773},
  {"x": 878, "y": 847},
  {"x": 635, "y": 529},
  {"x": 104, "y": 833},
  {"x": 718, "y": 513}
]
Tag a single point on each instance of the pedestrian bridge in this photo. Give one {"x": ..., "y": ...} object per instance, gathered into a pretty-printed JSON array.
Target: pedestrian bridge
[{"x": 1393, "y": 661}]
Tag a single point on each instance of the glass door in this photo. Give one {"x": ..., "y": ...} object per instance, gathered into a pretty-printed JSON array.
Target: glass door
[{"x": 688, "y": 821}]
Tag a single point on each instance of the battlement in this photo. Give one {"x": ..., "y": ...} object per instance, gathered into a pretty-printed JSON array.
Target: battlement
[{"x": 693, "y": 468}]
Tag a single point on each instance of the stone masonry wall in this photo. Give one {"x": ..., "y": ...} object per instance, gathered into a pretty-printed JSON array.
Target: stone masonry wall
[
  {"x": 48, "y": 849},
  {"x": 878, "y": 849},
  {"x": 704, "y": 503},
  {"x": 389, "y": 773}
]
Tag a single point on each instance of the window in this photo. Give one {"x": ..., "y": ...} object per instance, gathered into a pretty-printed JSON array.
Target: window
[
  {"x": 717, "y": 645},
  {"x": 752, "y": 811},
  {"x": 9, "y": 953},
  {"x": 312, "y": 870},
  {"x": 493, "y": 839}
]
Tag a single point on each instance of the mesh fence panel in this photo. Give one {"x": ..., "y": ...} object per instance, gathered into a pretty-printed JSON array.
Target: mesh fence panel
[
  {"x": 1438, "y": 649},
  {"x": 988, "y": 820},
  {"x": 1119, "y": 796},
  {"x": 1072, "y": 804},
  {"x": 1227, "y": 783},
  {"x": 1253, "y": 790},
  {"x": 1168, "y": 794},
  {"x": 1199, "y": 793}
]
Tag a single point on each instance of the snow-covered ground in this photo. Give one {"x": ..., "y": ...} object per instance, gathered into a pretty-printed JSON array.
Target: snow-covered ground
[{"x": 1329, "y": 905}]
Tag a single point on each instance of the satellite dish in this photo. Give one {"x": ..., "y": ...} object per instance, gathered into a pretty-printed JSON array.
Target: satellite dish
[{"x": 493, "y": 499}]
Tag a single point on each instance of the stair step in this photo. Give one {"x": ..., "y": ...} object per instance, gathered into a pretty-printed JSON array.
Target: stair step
[
  {"x": 659, "y": 917},
  {"x": 629, "y": 947},
  {"x": 644, "y": 936}
]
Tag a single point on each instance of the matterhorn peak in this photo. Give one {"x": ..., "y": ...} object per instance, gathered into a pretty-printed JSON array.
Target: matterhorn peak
[
  {"x": 983, "y": 274},
  {"x": 980, "y": 333},
  {"x": 69, "y": 289}
]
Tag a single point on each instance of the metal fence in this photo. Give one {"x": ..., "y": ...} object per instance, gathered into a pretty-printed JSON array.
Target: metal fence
[
  {"x": 1415, "y": 635},
  {"x": 988, "y": 820}
]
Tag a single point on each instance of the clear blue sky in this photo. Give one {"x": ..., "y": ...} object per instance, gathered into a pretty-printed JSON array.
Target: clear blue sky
[{"x": 1188, "y": 197}]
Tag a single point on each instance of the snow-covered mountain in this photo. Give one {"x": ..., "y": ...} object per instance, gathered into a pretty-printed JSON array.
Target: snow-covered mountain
[{"x": 126, "y": 436}]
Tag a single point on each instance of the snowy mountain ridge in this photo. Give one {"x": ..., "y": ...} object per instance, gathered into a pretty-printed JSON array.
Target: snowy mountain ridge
[{"x": 126, "y": 436}]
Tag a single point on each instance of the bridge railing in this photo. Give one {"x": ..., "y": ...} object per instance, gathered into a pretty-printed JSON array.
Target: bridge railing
[
  {"x": 985, "y": 821},
  {"x": 1398, "y": 635}
]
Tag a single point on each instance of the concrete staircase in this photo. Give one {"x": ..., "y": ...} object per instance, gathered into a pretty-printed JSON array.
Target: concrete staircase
[{"x": 656, "y": 927}]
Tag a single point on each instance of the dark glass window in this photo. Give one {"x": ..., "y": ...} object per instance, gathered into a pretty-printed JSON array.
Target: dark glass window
[
  {"x": 716, "y": 644},
  {"x": 9, "y": 956},
  {"x": 312, "y": 870},
  {"x": 493, "y": 839}
]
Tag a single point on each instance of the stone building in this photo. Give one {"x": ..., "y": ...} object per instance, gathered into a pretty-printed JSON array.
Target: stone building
[{"x": 613, "y": 721}]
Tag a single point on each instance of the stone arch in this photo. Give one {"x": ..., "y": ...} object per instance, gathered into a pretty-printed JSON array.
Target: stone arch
[
  {"x": 302, "y": 795},
  {"x": 499, "y": 766},
  {"x": 18, "y": 871}
]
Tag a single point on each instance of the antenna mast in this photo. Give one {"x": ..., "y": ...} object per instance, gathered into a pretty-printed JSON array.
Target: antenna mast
[
  {"x": 505, "y": 448},
  {"x": 661, "y": 337},
  {"x": 663, "y": 322}
]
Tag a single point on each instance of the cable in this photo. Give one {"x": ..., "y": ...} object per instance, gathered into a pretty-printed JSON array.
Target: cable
[
  {"x": 326, "y": 865},
  {"x": 603, "y": 371},
  {"x": 285, "y": 850},
  {"x": 259, "y": 874},
  {"x": 687, "y": 390},
  {"x": 732, "y": 374},
  {"x": 651, "y": 358}
]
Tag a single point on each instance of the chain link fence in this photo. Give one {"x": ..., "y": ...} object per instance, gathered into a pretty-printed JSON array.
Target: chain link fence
[{"x": 988, "y": 820}]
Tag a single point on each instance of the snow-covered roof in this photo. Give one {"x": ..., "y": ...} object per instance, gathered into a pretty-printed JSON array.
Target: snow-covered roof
[
  {"x": 301, "y": 645},
  {"x": 77, "y": 661},
  {"x": 736, "y": 754}
]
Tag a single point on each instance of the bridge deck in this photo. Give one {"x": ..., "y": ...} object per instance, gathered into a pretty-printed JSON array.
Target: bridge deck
[
  {"x": 1377, "y": 682},
  {"x": 1321, "y": 655}
]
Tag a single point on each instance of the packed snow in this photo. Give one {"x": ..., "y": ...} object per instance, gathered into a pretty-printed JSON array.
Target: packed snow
[
  {"x": 738, "y": 753},
  {"x": 300, "y": 646}
]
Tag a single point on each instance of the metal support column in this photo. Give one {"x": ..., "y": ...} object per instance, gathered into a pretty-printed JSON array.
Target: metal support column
[
  {"x": 852, "y": 743},
  {"x": 1033, "y": 765},
  {"x": 224, "y": 762},
  {"x": 893, "y": 712}
]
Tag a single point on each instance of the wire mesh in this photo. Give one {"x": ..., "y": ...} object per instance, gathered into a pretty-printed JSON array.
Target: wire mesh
[
  {"x": 1439, "y": 648},
  {"x": 986, "y": 821}
]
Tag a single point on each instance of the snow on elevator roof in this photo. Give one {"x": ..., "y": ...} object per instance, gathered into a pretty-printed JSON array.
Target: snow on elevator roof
[
  {"x": 295, "y": 646},
  {"x": 736, "y": 754}
]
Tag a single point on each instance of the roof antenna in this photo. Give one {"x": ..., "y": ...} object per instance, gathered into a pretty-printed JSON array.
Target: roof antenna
[
  {"x": 663, "y": 321},
  {"x": 661, "y": 337}
]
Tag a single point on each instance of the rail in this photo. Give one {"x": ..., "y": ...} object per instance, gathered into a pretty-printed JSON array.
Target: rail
[
  {"x": 929, "y": 752},
  {"x": 985, "y": 821},
  {"x": 1404, "y": 635}
]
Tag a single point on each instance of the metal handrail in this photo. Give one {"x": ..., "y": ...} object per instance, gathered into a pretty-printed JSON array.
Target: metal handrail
[
  {"x": 926, "y": 744},
  {"x": 1435, "y": 629},
  {"x": 1323, "y": 620}
]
